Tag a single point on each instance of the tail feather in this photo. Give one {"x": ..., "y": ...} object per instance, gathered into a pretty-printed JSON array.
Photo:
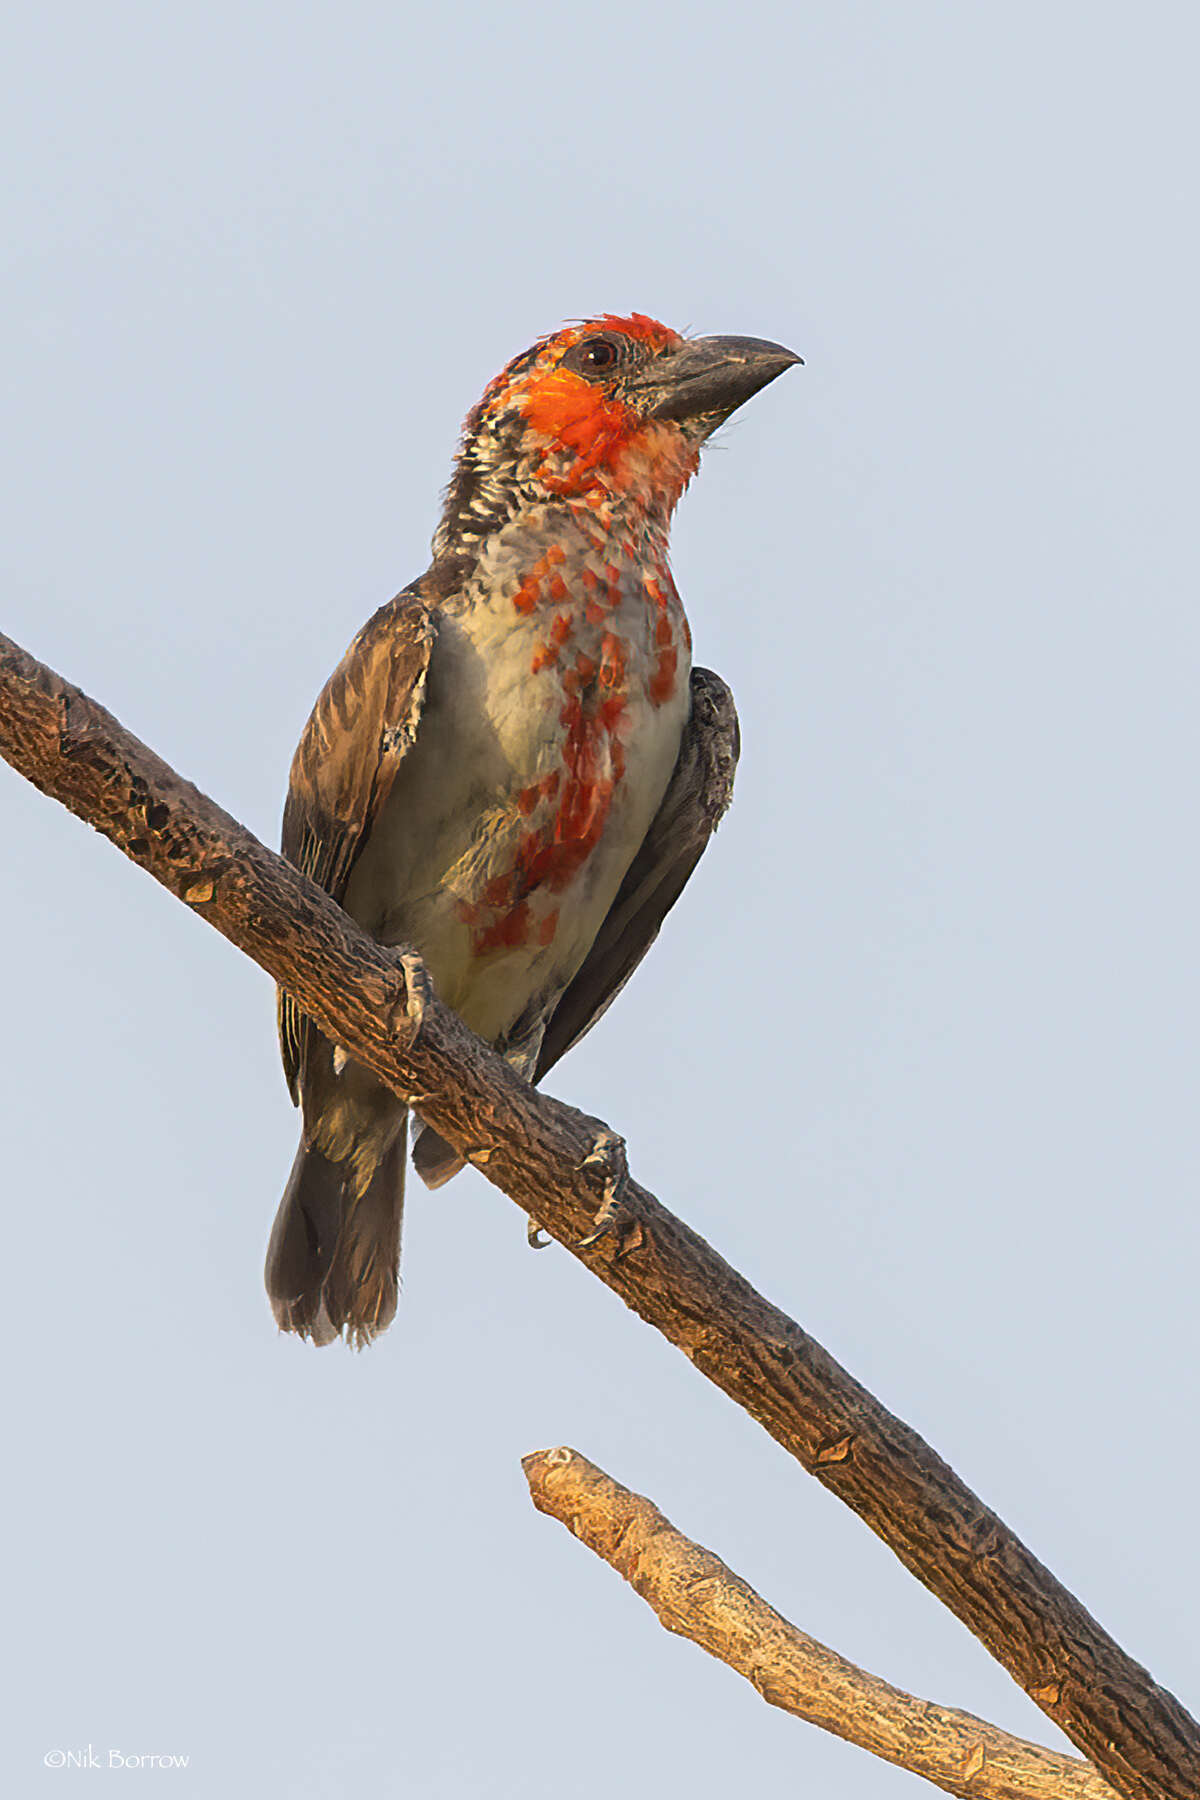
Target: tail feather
[
  {"x": 333, "y": 1262},
  {"x": 433, "y": 1158}
]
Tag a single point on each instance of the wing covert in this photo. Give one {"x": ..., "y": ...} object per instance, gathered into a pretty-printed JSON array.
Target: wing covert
[
  {"x": 357, "y": 734},
  {"x": 697, "y": 797}
]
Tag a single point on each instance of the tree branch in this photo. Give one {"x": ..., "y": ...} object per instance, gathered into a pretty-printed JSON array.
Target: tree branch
[
  {"x": 696, "y": 1595},
  {"x": 378, "y": 1005}
]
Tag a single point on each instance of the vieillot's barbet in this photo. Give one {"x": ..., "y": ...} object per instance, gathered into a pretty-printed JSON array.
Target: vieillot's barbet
[{"x": 514, "y": 769}]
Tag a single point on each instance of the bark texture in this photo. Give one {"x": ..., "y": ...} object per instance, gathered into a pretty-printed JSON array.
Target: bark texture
[
  {"x": 378, "y": 1004},
  {"x": 696, "y": 1595}
]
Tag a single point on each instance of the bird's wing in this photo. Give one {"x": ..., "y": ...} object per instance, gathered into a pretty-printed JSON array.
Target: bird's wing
[
  {"x": 696, "y": 798},
  {"x": 346, "y": 761}
]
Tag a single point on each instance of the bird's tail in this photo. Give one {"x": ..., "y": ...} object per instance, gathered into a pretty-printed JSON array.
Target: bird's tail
[{"x": 333, "y": 1262}]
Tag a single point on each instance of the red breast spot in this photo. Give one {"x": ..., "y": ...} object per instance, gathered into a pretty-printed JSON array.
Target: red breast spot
[
  {"x": 509, "y": 932},
  {"x": 530, "y": 591},
  {"x": 543, "y": 658},
  {"x": 526, "y": 596},
  {"x": 548, "y": 927},
  {"x": 613, "y": 654},
  {"x": 663, "y": 631},
  {"x": 562, "y": 627},
  {"x": 593, "y": 612},
  {"x": 661, "y": 685},
  {"x": 585, "y": 667},
  {"x": 499, "y": 891}
]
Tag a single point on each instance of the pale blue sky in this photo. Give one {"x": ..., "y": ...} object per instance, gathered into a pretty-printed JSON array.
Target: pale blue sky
[{"x": 917, "y": 1051}]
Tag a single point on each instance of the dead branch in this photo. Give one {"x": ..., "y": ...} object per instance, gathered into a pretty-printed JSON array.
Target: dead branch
[
  {"x": 535, "y": 1149},
  {"x": 696, "y": 1595}
]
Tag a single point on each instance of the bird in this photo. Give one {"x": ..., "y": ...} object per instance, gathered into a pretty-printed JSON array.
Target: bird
[{"x": 515, "y": 767}]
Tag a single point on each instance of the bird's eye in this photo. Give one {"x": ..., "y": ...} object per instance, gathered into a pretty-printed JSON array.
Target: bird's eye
[{"x": 599, "y": 353}]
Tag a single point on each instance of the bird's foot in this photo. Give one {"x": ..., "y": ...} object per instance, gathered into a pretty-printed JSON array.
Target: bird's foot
[
  {"x": 408, "y": 1015},
  {"x": 536, "y": 1238},
  {"x": 607, "y": 1153}
]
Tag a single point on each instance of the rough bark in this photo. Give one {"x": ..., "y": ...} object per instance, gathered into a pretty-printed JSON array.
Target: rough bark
[
  {"x": 697, "y": 1596},
  {"x": 535, "y": 1149}
]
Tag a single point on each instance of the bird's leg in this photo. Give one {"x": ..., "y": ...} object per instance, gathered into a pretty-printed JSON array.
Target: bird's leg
[
  {"x": 416, "y": 994},
  {"x": 411, "y": 1009},
  {"x": 607, "y": 1153}
]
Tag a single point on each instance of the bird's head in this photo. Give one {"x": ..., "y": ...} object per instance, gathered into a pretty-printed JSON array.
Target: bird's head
[{"x": 608, "y": 411}]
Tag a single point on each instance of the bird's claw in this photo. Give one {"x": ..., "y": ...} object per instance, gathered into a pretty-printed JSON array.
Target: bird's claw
[
  {"x": 608, "y": 1153},
  {"x": 536, "y": 1238}
]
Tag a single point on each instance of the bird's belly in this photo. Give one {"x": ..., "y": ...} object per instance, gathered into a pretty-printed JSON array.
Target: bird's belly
[{"x": 535, "y": 774}]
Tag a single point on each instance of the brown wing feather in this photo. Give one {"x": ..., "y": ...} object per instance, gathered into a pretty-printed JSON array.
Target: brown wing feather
[
  {"x": 696, "y": 798},
  {"x": 364, "y": 720}
]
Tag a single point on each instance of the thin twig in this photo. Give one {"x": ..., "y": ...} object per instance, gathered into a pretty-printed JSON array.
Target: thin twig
[{"x": 696, "y": 1595}]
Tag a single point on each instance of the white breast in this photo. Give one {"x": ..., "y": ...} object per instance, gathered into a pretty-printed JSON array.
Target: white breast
[{"x": 540, "y": 760}]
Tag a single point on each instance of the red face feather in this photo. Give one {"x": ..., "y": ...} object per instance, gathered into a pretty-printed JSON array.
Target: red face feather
[{"x": 584, "y": 435}]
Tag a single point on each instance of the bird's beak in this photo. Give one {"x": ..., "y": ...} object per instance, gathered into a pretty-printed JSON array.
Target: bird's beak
[{"x": 708, "y": 378}]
